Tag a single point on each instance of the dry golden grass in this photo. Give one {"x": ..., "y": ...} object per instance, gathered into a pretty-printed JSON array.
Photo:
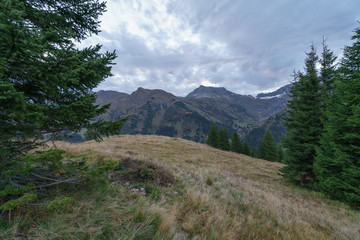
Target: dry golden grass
[{"x": 247, "y": 199}]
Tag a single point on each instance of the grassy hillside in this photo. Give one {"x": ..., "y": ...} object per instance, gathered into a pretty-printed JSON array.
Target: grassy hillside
[{"x": 217, "y": 195}]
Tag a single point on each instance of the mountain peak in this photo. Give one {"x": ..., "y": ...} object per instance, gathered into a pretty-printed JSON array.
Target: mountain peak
[
  {"x": 281, "y": 92},
  {"x": 157, "y": 95},
  {"x": 210, "y": 92}
]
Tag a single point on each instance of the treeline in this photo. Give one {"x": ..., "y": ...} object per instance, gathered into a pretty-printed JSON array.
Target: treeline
[
  {"x": 219, "y": 138},
  {"x": 323, "y": 123},
  {"x": 267, "y": 149}
]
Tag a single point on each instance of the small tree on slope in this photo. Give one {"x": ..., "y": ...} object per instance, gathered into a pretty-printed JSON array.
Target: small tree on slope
[
  {"x": 213, "y": 137},
  {"x": 280, "y": 153},
  {"x": 260, "y": 151},
  {"x": 236, "y": 145},
  {"x": 269, "y": 147},
  {"x": 224, "y": 143},
  {"x": 247, "y": 149}
]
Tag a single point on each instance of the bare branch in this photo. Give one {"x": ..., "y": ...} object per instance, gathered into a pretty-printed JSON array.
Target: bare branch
[
  {"x": 39, "y": 176},
  {"x": 69, "y": 180}
]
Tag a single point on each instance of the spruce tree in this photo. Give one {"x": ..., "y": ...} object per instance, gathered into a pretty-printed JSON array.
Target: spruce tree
[
  {"x": 260, "y": 151},
  {"x": 303, "y": 124},
  {"x": 236, "y": 145},
  {"x": 213, "y": 137},
  {"x": 46, "y": 83},
  {"x": 337, "y": 165},
  {"x": 327, "y": 75},
  {"x": 269, "y": 147},
  {"x": 224, "y": 143},
  {"x": 45, "y": 80},
  {"x": 280, "y": 153},
  {"x": 327, "y": 71},
  {"x": 247, "y": 149}
]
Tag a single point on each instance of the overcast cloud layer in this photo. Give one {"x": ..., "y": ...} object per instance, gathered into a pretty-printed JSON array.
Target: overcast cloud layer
[{"x": 245, "y": 46}]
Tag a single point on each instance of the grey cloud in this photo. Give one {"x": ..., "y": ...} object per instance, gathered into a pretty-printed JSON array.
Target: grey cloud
[{"x": 261, "y": 43}]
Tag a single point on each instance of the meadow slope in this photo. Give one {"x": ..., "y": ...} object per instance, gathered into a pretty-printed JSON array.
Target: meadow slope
[
  {"x": 227, "y": 195},
  {"x": 217, "y": 195}
]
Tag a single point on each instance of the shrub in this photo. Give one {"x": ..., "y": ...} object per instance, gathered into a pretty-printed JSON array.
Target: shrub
[{"x": 59, "y": 203}]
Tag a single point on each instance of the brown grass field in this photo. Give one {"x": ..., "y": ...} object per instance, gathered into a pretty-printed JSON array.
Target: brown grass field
[{"x": 226, "y": 195}]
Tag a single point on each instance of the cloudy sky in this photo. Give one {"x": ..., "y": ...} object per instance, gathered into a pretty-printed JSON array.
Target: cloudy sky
[{"x": 246, "y": 46}]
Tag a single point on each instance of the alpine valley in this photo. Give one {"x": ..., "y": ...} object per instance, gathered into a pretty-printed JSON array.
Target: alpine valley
[{"x": 161, "y": 113}]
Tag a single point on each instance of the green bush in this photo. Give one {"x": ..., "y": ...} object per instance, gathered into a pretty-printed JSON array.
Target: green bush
[
  {"x": 12, "y": 204},
  {"x": 59, "y": 203},
  {"x": 21, "y": 178}
]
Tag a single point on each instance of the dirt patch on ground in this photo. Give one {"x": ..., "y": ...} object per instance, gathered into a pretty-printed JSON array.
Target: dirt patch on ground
[
  {"x": 140, "y": 172},
  {"x": 127, "y": 163}
]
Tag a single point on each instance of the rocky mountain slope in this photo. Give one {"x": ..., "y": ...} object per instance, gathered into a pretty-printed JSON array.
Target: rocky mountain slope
[
  {"x": 274, "y": 124},
  {"x": 157, "y": 112},
  {"x": 161, "y": 113}
]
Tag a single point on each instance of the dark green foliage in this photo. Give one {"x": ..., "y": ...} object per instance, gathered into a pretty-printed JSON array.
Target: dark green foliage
[
  {"x": 247, "y": 149},
  {"x": 59, "y": 204},
  {"x": 147, "y": 173},
  {"x": 46, "y": 83},
  {"x": 213, "y": 139},
  {"x": 337, "y": 164},
  {"x": 236, "y": 145},
  {"x": 269, "y": 147},
  {"x": 280, "y": 153},
  {"x": 327, "y": 77},
  {"x": 303, "y": 124},
  {"x": 326, "y": 105},
  {"x": 327, "y": 71},
  {"x": 14, "y": 203},
  {"x": 260, "y": 151},
  {"x": 22, "y": 178},
  {"x": 218, "y": 139},
  {"x": 224, "y": 142}
]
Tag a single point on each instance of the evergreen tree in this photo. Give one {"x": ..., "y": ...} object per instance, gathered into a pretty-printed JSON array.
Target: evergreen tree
[
  {"x": 236, "y": 145},
  {"x": 260, "y": 151},
  {"x": 224, "y": 143},
  {"x": 280, "y": 153},
  {"x": 327, "y": 71},
  {"x": 46, "y": 82},
  {"x": 327, "y": 75},
  {"x": 269, "y": 147},
  {"x": 337, "y": 165},
  {"x": 253, "y": 153},
  {"x": 303, "y": 124},
  {"x": 213, "y": 138},
  {"x": 247, "y": 149}
]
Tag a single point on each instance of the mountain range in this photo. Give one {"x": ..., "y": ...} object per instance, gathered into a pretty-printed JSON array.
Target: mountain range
[{"x": 161, "y": 113}]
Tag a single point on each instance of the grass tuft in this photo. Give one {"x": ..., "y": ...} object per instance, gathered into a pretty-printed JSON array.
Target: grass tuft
[{"x": 209, "y": 181}]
